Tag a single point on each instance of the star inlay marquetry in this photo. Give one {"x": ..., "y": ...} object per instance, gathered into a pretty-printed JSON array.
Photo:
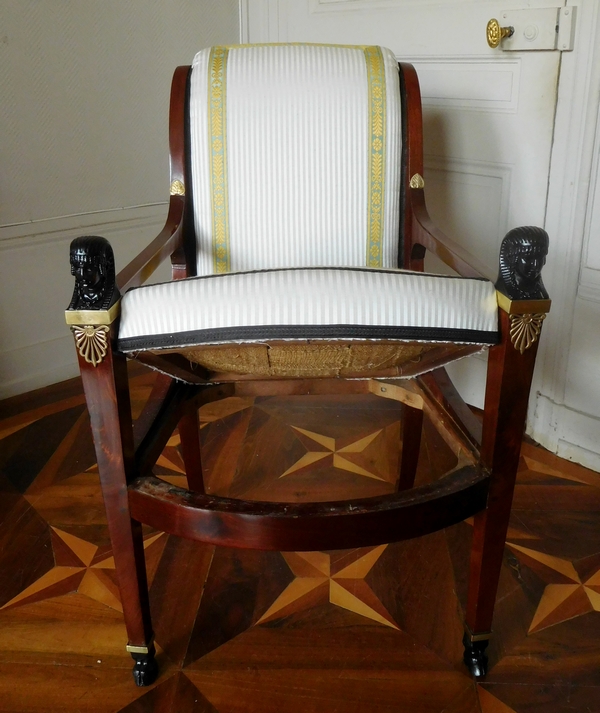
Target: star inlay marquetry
[
  {"x": 338, "y": 457},
  {"x": 320, "y": 578},
  {"x": 566, "y": 595},
  {"x": 81, "y": 567}
]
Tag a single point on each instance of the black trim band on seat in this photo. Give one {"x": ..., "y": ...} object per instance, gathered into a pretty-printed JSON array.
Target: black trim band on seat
[{"x": 306, "y": 331}]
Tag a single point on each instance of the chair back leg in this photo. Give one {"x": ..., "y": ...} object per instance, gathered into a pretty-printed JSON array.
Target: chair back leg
[
  {"x": 189, "y": 432},
  {"x": 412, "y": 424}
]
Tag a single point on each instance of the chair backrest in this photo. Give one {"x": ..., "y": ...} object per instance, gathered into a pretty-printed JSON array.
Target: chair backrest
[{"x": 295, "y": 156}]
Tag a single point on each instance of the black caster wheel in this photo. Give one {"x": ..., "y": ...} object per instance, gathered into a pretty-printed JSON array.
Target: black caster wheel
[
  {"x": 475, "y": 657},
  {"x": 145, "y": 669}
]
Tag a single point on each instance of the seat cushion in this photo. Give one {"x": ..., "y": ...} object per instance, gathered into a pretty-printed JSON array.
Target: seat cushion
[{"x": 309, "y": 305}]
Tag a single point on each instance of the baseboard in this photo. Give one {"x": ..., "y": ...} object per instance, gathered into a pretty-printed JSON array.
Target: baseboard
[
  {"x": 577, "y": 454},
  {"x": 571, "y": 434}
]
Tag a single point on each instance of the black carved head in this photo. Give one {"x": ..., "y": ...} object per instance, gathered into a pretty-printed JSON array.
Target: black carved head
[
  {"x": 93, "y": 266},
  {"x": 522, "y": 257}
]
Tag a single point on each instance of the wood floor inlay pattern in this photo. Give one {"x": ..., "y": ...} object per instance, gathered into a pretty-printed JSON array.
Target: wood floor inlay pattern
[{"x": 373, "y": 629}]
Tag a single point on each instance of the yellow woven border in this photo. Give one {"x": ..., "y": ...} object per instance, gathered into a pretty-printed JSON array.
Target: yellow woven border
[
  {"x": 377, "y": 126},
  {"x": 217, "y": 142}
]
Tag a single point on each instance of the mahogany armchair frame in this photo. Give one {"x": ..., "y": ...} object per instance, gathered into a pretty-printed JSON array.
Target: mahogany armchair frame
[{"x": 481, "y": 485}]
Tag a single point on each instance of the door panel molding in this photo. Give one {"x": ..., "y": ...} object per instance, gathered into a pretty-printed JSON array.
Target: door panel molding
[
  {"x": 473, "y": 83},
  {"x": 351, "y": 5},
  {"x": 589, "y": 285},
  {"x": 489, "y": 186}
]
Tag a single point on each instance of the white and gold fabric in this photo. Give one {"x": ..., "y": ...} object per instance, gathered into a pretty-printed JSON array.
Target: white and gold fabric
[{"x": 296, "y": 182}]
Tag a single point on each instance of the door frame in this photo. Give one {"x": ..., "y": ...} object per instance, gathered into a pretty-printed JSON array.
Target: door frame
[{"x": 571, "y": 165}]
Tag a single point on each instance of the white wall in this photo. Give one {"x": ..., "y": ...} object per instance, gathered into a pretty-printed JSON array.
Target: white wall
[{"x": 83, "y": 149}]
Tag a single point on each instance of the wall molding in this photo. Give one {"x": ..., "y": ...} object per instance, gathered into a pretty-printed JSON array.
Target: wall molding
[
  {"x": 37, "y": 232},
  {"x": 36, "y": 348}
]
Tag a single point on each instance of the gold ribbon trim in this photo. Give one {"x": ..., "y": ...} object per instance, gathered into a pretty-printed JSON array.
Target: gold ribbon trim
[
  {"x": 377, "y": 127},
  {"x": 217, "y": 141},
  {"x": 217, "y": 129}
]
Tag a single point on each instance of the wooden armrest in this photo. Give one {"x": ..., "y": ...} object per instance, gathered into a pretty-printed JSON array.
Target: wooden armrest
[
  {"x": 170, "y": 238},
  {"x": 425, "y": 233},
  {"x": 167, "y": 241},
  {"x": 418, "y": 226}
]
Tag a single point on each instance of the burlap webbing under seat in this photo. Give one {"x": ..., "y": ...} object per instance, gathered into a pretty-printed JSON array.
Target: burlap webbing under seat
[{"x": 309, "y": 359}]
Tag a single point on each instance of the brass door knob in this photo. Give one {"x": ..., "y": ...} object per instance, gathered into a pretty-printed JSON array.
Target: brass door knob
[{"x": 495, "y": 33}]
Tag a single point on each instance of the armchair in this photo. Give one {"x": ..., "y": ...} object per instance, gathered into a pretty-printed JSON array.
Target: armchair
[{"x": 297, "y": 230}]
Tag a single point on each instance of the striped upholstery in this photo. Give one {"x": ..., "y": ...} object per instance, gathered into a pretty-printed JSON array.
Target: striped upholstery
[
  {"x": 308, "y": 303},
  {"x": 295, "y": 157},
  {"x": 295, "y": 162}
]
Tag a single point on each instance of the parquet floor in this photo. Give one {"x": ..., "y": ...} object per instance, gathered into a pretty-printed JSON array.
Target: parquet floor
[{"x": 377, "y": 629}]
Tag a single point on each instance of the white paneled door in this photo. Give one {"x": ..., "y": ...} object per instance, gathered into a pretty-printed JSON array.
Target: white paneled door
[
  {"x": 505, "y": 142},
  {"x": 488, "y": 113}
]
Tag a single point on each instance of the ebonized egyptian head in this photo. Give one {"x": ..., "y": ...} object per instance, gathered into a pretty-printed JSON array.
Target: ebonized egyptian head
[
  {"x": 93, "y": 266},
  {"x": 522, "y": 257}
]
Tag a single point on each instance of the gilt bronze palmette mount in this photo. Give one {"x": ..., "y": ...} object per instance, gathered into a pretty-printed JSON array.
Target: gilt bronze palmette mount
[
  {"x": 525, "y": 329},
  {"x": 92, "y": 342}
]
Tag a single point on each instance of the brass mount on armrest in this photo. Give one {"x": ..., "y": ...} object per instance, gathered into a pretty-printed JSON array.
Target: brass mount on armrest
[
  {"x": 96, "y": 301},
  {"x": 417, "y": 181},
  {"x": 520, "y": 290}
]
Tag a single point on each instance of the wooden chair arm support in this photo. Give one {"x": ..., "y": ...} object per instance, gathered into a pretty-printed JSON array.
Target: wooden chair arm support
[
  {"x": 163, "y": 246},
  {"x": 170, "y": 238},
  {"x": 425, "y": 233}
]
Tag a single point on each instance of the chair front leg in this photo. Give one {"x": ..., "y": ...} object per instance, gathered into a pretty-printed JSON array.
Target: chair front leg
[
  {"x": 92, "y": 315},
  {"x": 107, "y": 395},
  {"x": 523, "y": 303},
  {"x": 508, "y": 383}
]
